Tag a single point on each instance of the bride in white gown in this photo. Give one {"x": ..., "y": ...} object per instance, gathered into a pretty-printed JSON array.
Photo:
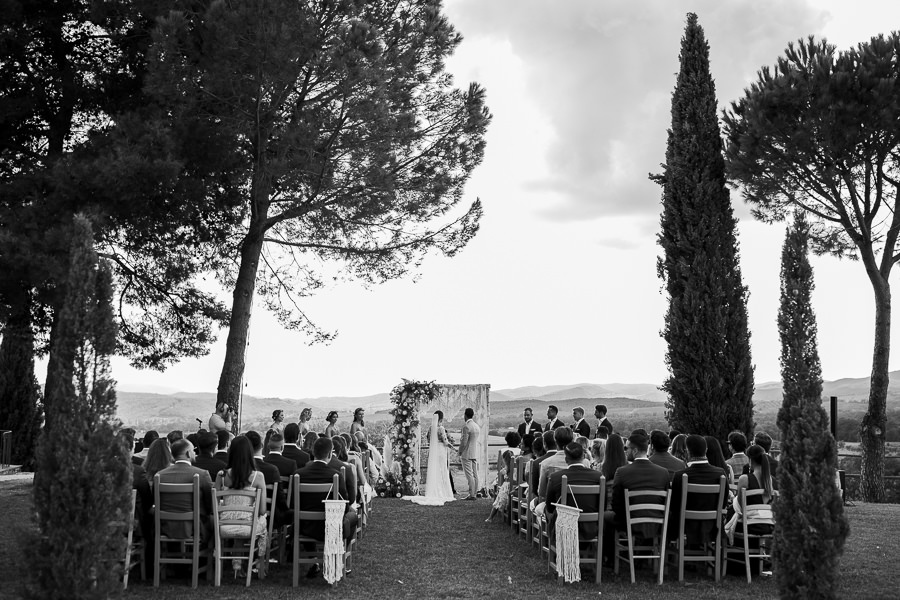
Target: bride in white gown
[{"x": 437, "y": 486}]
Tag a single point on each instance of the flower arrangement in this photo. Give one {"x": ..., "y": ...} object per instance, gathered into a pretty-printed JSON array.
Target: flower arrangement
[{"x": 407, "y": 397}]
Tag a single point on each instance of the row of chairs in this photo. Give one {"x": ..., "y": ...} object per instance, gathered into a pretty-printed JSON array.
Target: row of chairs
[
  {"x": 648, "y": 512},
  {"x": 185, "y": 545}
]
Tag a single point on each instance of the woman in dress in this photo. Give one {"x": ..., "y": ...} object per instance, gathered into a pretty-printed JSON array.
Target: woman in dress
[
  {"x": 437, "y": 486},
  {"x": 359, "y": 423},
  {"x": 716, "y": 458},
  {"x": 331, "y": 429},
  {"x": 759, "y": 477},
  {"x": 277, "y": 425},
  {"x": 305, "y": 417},
  {"x": 159, "y": 457},
  {"x": 501, "y": 502},
  {"x": 242, "y": 475}
]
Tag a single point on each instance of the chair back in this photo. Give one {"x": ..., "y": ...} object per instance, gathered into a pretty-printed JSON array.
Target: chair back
[
  {"x": 251, "y": 510},
  {"x": 324, "y": 489},
  {"x": 284, "y": 483},
  {"x": 162, "y": 490},
  {"x": 577, "y": 491},
  {"x": 692, "y": 513},
  {"x": 649, "y": 508},
  {"x": 755, "y": 514}
]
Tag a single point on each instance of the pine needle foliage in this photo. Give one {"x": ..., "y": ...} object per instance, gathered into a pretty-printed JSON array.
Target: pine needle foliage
[
  {"x": 710, "y": 385},
  {"x": 810, "y": 525}
]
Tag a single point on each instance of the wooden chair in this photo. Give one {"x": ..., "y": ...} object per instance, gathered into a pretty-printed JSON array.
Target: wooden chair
[
  {"x": 134, "y": 549},
  {"x": 305, "y": 556},
  {"x": 272, "y": 489},
  {"x": 521, "y": 492},
  {"x": 278, "y": 536},
  {"x": 513, "y": 474},
  {"x": 590, "y": 551},
  {"x": 243, "y": 547},
  {"x": 711, "y": 550},
  {"x": 649, "y": 508},
  {"x": 190, "y": 547},
  {"x": 759, "y": 516}
]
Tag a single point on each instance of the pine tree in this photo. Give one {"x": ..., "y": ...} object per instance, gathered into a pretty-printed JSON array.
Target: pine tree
[
  {"x": 710, "y": 385},
  {"x": 810, "y": 526},
  {"x": 83, "y": 476}
]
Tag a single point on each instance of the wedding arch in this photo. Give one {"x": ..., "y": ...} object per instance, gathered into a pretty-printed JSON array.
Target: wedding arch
[{"x": 411, "y": 398}]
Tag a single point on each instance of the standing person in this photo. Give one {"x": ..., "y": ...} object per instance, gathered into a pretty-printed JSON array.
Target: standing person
[
  {"x": 305, "y": 417},
  {"x": 580, "y": 426},
  {"x": 530, "y": 425},
  {"x": 277, "y": 425},
  {"x": 221, "y": 419},
  {"x": 552, "y": 421},
  {"x": 438, "y": 489},
  {"x": 359, "y": 424},
  {"x": 469, "y": 444},
  {"x": 331, "y": 429},
  {"x": 600, "y": 414}
]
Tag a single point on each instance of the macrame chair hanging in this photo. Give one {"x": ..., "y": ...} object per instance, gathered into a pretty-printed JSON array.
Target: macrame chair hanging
[
  {"x": 567, "y": 558},
  {"x": 333, "y": 569}
]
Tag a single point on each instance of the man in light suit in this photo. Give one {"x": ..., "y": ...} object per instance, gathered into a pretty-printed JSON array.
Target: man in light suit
[
  {"x": 469, "y": 444},
  {"x": 183, "y": 472}
]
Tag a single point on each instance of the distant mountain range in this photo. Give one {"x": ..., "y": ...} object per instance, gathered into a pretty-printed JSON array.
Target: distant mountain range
[{"x": 147, "y": 408}]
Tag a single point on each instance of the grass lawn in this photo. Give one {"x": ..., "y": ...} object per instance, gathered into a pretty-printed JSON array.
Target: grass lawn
[{"x": 412, "y": 551}]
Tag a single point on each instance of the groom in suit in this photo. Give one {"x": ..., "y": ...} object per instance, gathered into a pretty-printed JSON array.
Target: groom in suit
[{"x": 468, "y": 452}]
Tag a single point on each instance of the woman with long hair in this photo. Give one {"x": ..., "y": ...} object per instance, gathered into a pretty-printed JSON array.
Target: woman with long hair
[
  {"x": 679, "y": 447},
  {"x": 716, "y": 458},
  {"x": 305, "y": 418},
  {"x": 359, "y": 423},
  {"x": 615, "y": 458},
  {"x": 598, "y": 453},
  {"x": 331, "y": 429},
  {"x": 759, "y": 477},
  {"x": 159, "y": 457},
  {"x": 242, "y": 475}
]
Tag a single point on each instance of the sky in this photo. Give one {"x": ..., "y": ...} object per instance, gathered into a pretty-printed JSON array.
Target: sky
[{"x": 560, "y": 284}]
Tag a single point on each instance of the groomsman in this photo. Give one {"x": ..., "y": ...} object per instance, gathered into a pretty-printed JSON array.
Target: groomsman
[
  {"x": 529, "y": 426},
  {"x": 600, "y": 413},
  {"x": 552, "y": 421},
  {"x": 580, "y": 426}
]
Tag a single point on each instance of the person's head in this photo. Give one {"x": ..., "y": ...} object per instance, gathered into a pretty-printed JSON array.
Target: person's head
[
  {"x": 332, "y": 417},
  {"x": 527, "y": 442},
  {"x": 322, "y": 448},
  {"x": 512, "y": 439},
  {"x": 528, "y": 414},
  {"x": 150, "y": 437},
  {"x": 600, "y": 411},
  {"x": 207, "y": 443},
  {"x": 193, "y": 438},
  {"x": 638, "y": 443},
  {"x": 738, "y": 441},
  {"x": 563, "y": 435},
  {"x": 673, "y": 433},
  {"x": 552, "y": 411},
  {"x": 291, "y": 433},
  {"x": 615, "y": 456},
  {"x": 603, "y": 432},
  {"x": 352, "y": 446},
  {"x": 276, "y": 442},
  {"x": 305, "y": 415},
  {"x": 469, "y": 413},
  {"x": 763, "y": 439},
  {"x": 223, "y": 410},
  {"x": 440, "y": 415},
  {"x": 659, "y": 440},
  {"x": 760, "y": 464},
  {"x": 585, "y": 443},
  {"x": 278, "y": 416},
  {"x": 240, "y": 461},
  {"x": 255, "y": 441},
  {"x": 359, "y": 414},
  {"x": 183, "y": 450},
  {"x": 696, "y": 446},
  {"x": 574, "y": 453},
  {"x": 174, "y": 436},
  {"x": 641, "y": 431},
  {"x": 222, "y": 439},
  {"x": 159, "y": 456},
  {"x": 537, "y": 446},
  {"x": 598, "y": 450},
  {"x": 578, "y": 413},
  {"x": 340, "y": 448},
  {"x": 678, "y": 449},
  {"x": 714, "y": 453},
  {"x": 309, "y": 440},
  {"x": 549, "y": 440}
]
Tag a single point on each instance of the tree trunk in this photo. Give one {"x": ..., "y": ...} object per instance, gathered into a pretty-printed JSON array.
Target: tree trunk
[{"x": 872, "y": 427}]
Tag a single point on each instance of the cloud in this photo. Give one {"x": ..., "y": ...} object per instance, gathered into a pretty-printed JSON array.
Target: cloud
[{"x": 602, "y": 72}]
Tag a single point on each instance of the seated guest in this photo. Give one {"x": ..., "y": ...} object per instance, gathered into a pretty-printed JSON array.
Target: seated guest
[
  {"x": 159, "y": 457},
  {"x": 286, "y": 466},
  {"x": 182, "y": 471},
  {"x": 205, "y": 460},
  {"x": 641, "y": 474},
  {"x": 759, "y": 477},
  {"x": 241, "y": 474},
  {"x": 562, "y": 436},
  {"x": 586, "y": 450},
  {"x": 603, "y": 433},
  {"x": 659, "y": 441},
  {"x": 271, "y": 476},
  {"x": 764, "y": 440},
  {"x": 527, "y": 445},
  {"x": 679, "y": 447},
  {"x": 340, "y": 459},
  {"x": 737, "y": 442},
  {"x": 598, "y": 452},
  {"x": 147, "y": 441},
  {"x": 174, "y": 436},
  {"x": 223, "y": 440},
  {"x": 355, "y": 460},
  {"x": 309, "y": 441},
  {"x": 699, "y": 471},
  {"x": 538, "y": 446},
  {"x": 549, "y": 442},
  {"x": 291, "y": 448},
  {"x": 615, "y": 458},
  {"x": 715, "y": 457},
  {"x": 576, "y": 474},
  {"x": 501, "y": 502}
]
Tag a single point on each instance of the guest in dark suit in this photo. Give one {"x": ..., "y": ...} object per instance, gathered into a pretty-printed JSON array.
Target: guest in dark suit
[
  {"x": 319, "y": 471},
  {"x": 576, "y": 474},
  {"x": 340, "y": 458},
  {"x": 224, "y": 439},
  {"x": 549, "y": 441},
  {"x": 552, "y": 421},
  {"x": 291, "y": 445},
  {"x": 183, "y": 472},
  {"x": 600, "y": 414},
  {"x": 530, "y": 425},
  {"x": 639, "y": 475},
  {"x": 271, "y": 475},
  {"x": 700, "y": 472},
  {"x": 660, "y": 441},
  {"x": 580, "y": 426},
  {"x": 207, "y": 443},
  {"x": 286, "y": 466}
]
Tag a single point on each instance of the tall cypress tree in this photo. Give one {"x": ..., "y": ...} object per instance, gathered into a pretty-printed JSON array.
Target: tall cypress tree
[
  {"x": 710, "y": 385},
  {"x": 810, "y": 525}
]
